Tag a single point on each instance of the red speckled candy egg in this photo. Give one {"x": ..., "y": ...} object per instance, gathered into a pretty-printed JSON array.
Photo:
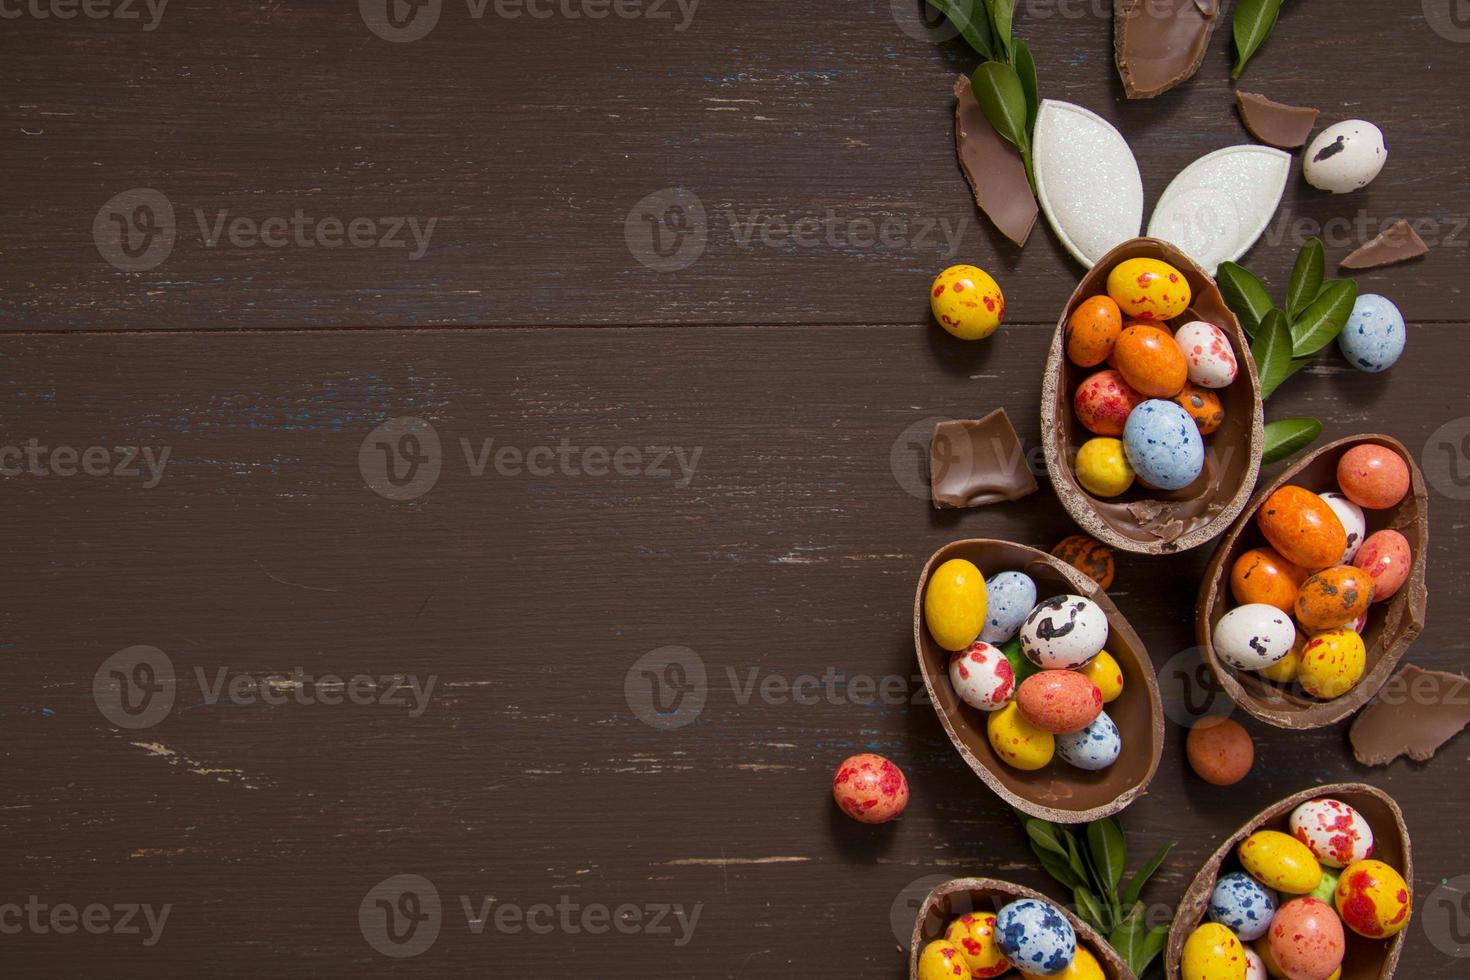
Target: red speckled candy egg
[
  {"x": 1302, "y": 528},
  {"x": 982, "y": 676},
  {"x": 870, "y": 789},
  {"x": 1150, "y": 361},
  {"x": 1104, "y": 401},
  {"x": 1373, "y": 476},
  {"x": 1059, "y": 701},
  {"x": 1386, "y": 557},
  {"x": 1306, "y": 938}
]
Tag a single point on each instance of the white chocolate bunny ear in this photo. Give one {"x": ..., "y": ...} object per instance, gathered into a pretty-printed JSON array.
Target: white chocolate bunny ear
[
  {"x": 1087, "y": 180},
  {"x": 1219, "y": 205}
]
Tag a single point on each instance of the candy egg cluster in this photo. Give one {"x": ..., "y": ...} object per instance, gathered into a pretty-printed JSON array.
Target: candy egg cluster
[
  {"x": 1306, "y": 592},
  {"x": 1028, "y": 935}
]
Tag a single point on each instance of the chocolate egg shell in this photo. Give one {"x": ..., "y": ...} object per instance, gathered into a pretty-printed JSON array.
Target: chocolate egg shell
[
  {"x": 1366, "y": 959},
  {"x": 1141, "y": 520},
  {"x": 1392, "y": 625},
  {"x": 954, "y": 898},
  {"x": 1056, "y": 792}
]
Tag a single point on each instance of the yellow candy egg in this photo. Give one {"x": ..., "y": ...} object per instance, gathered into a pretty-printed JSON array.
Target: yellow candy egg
[
  {"x": 1102, "y": 468},
  {"x": 975, "y": 937},
  {"x": 954, "y": 604},
  {"x": 1373, "y": 899},
  {"x": 1020, "y": 744},
  {"x": 1104, "y": 671},
  {"x": 1084, "y": 966},
  {"x": 1333, "y": 662},
  {"x": 1147, "y": 289},
  {"x": 1280, "y": 861},
  {"x": 942, "y": 960},
  {"x": 967, "y": 302},
  {"x": 1285, "y": 670},
  {"x": 1212, "y": 952}
]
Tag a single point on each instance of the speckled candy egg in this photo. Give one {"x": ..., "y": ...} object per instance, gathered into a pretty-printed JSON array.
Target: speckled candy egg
[
  {"x": 1036, "y": 937},
  {"x": 1095, "y": 747},
  {"x": 1255, "y": 967},
  {"x": 1208, "y": 353},
  {"x": 1103, "y": 670},
  {"x": 954, "y": 604},
  {"x": 1009, "y": 597},
  {"x": 1092, "y": 330},
  {"x": 1089, "y": 556},
  {"x": 1020, "y": 744},
  {"x": 1164, "y": 445},
  {"x": 870, "y": 789},
  {"x": 1064, "y": 632},
  {"x": 1345, "y": 157},
  {"x": 1148, "y": 289},
  {"x": 1302, "y": 528},
  {"x": 1285, "y": 670},
  {"x": 1373, "y": 899},
  {"x": 1280, "y": 861},
  {"x": 1059, "y": 701},
  {"x": 982, "y": 676},
  {"x": 1220, "y": 750},
  {"x": 1353, "y": 522},
  {"x": 1253, "y": 636},
  {"x": 1375, "y": 335},
  {"x": 1243, "y": 905},
  {"x": 1333, "y": 597},
  {"x": 1261, "y": 575},
  {"x": 943, "y": 960},
  {"x": 1333, "y": 662},
  {"x": 1104, "y": 401},
  {"x": 1335, "y": 832},
  {"x": 1212, "y": 952},
  {"x": 1306, "y": 939},
  {"x": 1084, "y": 967},
  {"x": 975, "y": 936},
  {"x": 1386, "y": 557},
  {"x": 1203, "y": 406},
  {"x": 1373, "y": 476},
  {"x": 967, "y": 302},
  {"x": 1150, "y": 361}
]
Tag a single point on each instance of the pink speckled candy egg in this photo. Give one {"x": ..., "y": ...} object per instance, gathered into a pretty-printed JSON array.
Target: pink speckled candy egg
[
  {"x": 1059, "y": 701},
  {"x": 1103, "y": 403},
  {"x": 1306, "y": 939},
  {"x": 1333, "y": 831},
  {"x": 1373, "y": 476},
  {"x": 1386, "y": 557},
  {"x": 1207, "y": 352},
  {"x": 982, "y": 676},
  {"x": 870, "y": 789}
]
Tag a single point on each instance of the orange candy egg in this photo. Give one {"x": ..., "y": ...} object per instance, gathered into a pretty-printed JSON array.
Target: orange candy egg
[
  {"x": 1203, "y": 405},
  {"x": 1150, "y": 361},
  {"x": 1092, "y": 330},
  {"x": 1303, "y": 528},
  {"x": 1334, "y": 597},
  {"x": 1262, "y": 575}
]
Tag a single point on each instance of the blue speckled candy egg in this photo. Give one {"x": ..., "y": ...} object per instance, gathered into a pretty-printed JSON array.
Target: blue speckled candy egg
[
  {"x": 1093, "y": 748},
  {"x": 1243, "y": 905},
  {"x": 1035, "y": 937},
  {"x": 1163, "y": 445},
  {"x": 1009, "y": 597},
  {"x": 1064, "y": 632},
  {"x": 1374, "y": 337}
]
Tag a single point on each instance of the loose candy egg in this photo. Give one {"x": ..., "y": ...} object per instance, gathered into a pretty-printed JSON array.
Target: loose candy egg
[
  {"x": 1212, "y": 952},
  {"x": 1353, "y": 522},
  {"x": 1095, "y": 747},
  {"x": 1261, "y": 575},
  {"x": 1104, "y": 401},
  {"x": 1147, "y": 289},
  {"x": 1208, "y": 353},
  {"x": 1332, "y": 663},
  {"x": 1102, "y": 467},
  {"x": 1302, "y": 528},
  {"x": 1255, "y": 967},
  {"x": 1059, "y": 701},
  {"x": 1307, "y": 940},
  {"x": 1253, "y": 636},
  {"x": 1335, "y": 832},
  {"x": 1219, "y": 750},
  {"x": 1020, "y": 665},
  {"x": 954, "y": 604},
  {"x": 1345, "y": 157},
  {"x": 942, "y": 960},
  {"x": 1009, "y": 596},
  {"x": 1375, "y": 335},
  {"x": 1036, "y": 937},
  {"x": 1327, "y": 890},
  {"x": 1281, "y": 862},
  {"x": 1203, "y": 406},
  {"x": 1084, "y": 967},
  {"x": 870, "y": 789},
  {"x": 1373, "y": 476},
  {"x": 1064, "y": 632},
  {"x": 1092, "y": 330},
  {"x": 1386, "y": 557},
  {"x": 967, "y": 302},
  {"x": 1089, "y": 556},
  {"x": 1164, "y": 445},
  {"x": 1334, "y": 597},
  {"x": 1020, "y": 744},
  {"x": 1373, "y": 899},
  {"x": 975, "y": 937},
  {"x": 1243, "y": 905},
  {"x": 982, "y": 676},
  {"x": 1289, "y": 667},
  {"x": 1104, "y": 671},
  {"x": 1150, "y": 361}
]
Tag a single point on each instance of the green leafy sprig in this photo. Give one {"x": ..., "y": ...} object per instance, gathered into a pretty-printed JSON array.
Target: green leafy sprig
[{"x": 1254, "y": 22}]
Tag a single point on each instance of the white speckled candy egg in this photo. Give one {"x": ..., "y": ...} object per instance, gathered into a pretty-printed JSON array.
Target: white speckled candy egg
[
  {"x": 982, "y": 676},
  {"x": 1163, "y": 445},
  {"x": 1093, "y": 748},
  {"x": 1035, "y": 937},
  {"x": 1333, "y": 831},
  {"x": 1353, "y": 522},
  {"x": 1255, "y": 967},
  {"x": 1243, "y": 905},
  {"x": 1064, "y": 632},
  {"x": 1254, "y": 636},
  {"x": 1009, "y": 597},
  {"x": 1345, "y": 157},
  {"x": 1375, "y": 335},
  {"x": 1208, "y": 353}
]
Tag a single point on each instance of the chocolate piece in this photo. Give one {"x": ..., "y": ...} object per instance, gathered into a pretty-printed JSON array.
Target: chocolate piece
[
  {"x": 1398, "y": 243},
  {"x": 972, "y": 464},
  {"x": 1392, "y": 625},
  {"x": 1161, "y": 43},
  {"x": 1365, "y": 959},
  {"x": 1056, "y": 792},
  {"x": 1286, "y": 126},
  {"x": 1147, "y": 521},
  {"x": 993, "y": 167},
  {"x": 1416, "y": 712}
]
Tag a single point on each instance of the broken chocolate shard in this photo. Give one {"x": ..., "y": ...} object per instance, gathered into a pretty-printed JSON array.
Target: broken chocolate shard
[
  {"x": 993, "y": 167},
  {"x": 1275, "y": 123},
  {"x": 973, "y": 464},
  {"x": 1415, "y": 714},
  {"x": 1159, "y": 44},
  {"x": 1398, "y": 243}
]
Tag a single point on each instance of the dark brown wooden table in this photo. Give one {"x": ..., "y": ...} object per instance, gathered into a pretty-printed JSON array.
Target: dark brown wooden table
[{"x": 793, "y": 354}]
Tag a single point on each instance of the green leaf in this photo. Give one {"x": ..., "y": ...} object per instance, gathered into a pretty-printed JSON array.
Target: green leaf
[
  {"x": 1254, "y": 21},
  {"x": 1321, "y": 322},
  {"x": 1109, "y": 851},
  {"x": 1002, "y": 13},
  {"x": 1056, "y": 867},
  {"x": 1153, "y": 945},
  {"x": 1272, "y": 352},
  {"x": 1285, "y": 437},
  {"x": 1074, "y": 858},
  {"x": 1045, "y": 836},
  {"x": 1030, "y": 84},
  {"x": 1128, "y": 937},
  {"x": 1090, "y": 910},
  {"x": 972, "y": 21},
  {"x": 999, "y": 91},
  {"x": 1306, "y": 278},
  {"x": 1134, "y": 891},
  {"x": 1245, "y": 295}
]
